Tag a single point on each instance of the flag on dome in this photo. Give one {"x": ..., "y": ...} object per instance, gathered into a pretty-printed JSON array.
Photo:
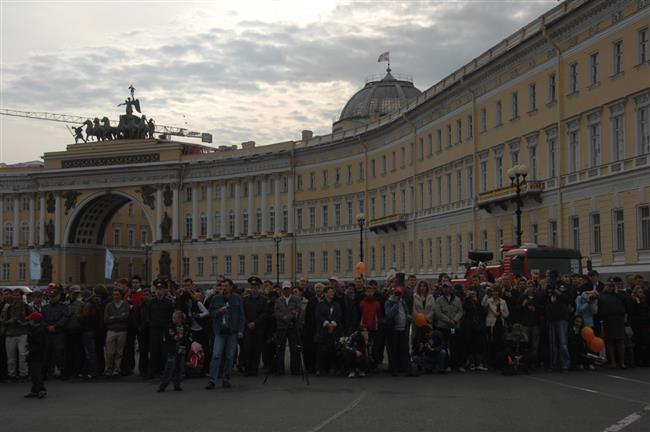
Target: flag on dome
[{"x": 384, "y": 57}]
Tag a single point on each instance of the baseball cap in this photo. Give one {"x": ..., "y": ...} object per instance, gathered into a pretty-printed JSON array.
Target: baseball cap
[
  {"x": 334, "y": 278},
  {"x": 286, "y": 284}
]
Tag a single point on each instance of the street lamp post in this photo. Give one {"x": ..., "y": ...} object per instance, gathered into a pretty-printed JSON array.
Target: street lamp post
[
  {"x": 277, "y": 239},
  {"x": 361, "y": 219},
  {"x": 517, "y": 176},
  {"x": 147, "y": 248}
]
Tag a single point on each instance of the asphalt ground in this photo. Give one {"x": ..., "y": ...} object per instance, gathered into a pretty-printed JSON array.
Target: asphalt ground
[{"x": 605, "y": 400}]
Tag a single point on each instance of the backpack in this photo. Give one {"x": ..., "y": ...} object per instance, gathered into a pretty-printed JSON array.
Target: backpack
[{"x": 195, "y": 360}]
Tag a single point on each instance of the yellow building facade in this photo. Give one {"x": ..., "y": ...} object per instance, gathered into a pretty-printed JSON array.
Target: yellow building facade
[{"x": 568, "y": 96}]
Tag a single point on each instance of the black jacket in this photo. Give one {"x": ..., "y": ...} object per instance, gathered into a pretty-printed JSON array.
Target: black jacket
[
  {"x": 329, "y": 311},
  {"x": 256, "y": 310},
  {"x": 160, "y": 312}
]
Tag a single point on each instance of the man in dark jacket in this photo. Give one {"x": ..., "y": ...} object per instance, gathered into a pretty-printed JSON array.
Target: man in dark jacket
[
  {"x": 611, "y": 309},
  {"x": 255, "y": 312},
  {"x": 159, "y": 318},
  {"x": 557, "y": 316},
  {"x": 90, "y": 323},
  {"x": 55, "y": 317},
  {"x": 227, "y": 313},
  {"x": 398, "y": 314},
  {"x": 328, "y": 320},
  {"x": 286, "y": 311},
  {"x": 36, "y": 355},
  {"x": 142, "y": 324}
]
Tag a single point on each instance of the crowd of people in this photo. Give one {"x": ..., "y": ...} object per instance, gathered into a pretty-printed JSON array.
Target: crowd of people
[{"x": 168, "y": 332}]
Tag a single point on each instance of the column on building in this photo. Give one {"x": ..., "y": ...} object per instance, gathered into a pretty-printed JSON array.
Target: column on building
[
  {"x": 222, "y": 210},
  {"x": 278, "y": 208},
  {"x": 237, "y": 210},
  {"x": 57, "y": 218},
  {"x": 14, "y": 241},
  {"x": 2, "y": 220},
  {"x": 195, "y": 211},
  {"x": 41, "y": 219},
  {"x": 32, "y": 220},
  {"x": 290, "y": 202},
  {"x": 159, "y": 214},
  {"x": 251, "y": 212},
  {"x": 209, "y": 211},
  {"x": 175, "y": 213},
  {"x": 263, "y": 205}
]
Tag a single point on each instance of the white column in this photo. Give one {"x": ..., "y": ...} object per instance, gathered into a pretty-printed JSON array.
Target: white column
[
  {"x": 41, "y": 219},
  {"x": 251, "y": 212},
  {"x": 222, "y": 210},
  {"x": 290, "y": 202},
  {"x": 32, "y": 217},
  {"x": 264, "y": 209},
  {"x": 237, "y": 210},
  {"x": 57, "y": 219},
  {"x": 210, "y": 211},
  {"x": 175, "y": 215},
  {"x": 159, "y": 214},
  {"x": 278, "y": 208},
  {"x": 17, "y": 230},
  {"x": 195, "y": 212}
]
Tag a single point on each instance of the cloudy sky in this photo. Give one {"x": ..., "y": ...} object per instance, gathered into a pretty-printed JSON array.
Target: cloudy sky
[{"x": 242, "y": 70}]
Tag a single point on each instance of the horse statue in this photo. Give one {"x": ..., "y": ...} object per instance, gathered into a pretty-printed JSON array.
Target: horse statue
[
  {"x": 110, "y": 132},
  {"x": 90, "y": 130}
]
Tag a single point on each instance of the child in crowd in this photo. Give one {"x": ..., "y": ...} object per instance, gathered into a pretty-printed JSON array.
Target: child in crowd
[
  {"x": 176, "y": 340},
  {"x": 577, "y": 346}
]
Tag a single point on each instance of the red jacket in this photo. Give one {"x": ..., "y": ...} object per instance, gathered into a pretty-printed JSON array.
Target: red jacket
[{"x": 370, "y": 309}]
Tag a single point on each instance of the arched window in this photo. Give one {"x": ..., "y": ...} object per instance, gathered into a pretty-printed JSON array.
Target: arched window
[
  {"x": 9, "y": 234},
  {"x": 204, "y": 225},
  {"x": 271, "y": 219},
  {"x": 258, "y": 220},
  {"x": 188, "y": 225},
  {"x": 231, "y": 223},
  {"x": 24, "y": 233},
  {"x": 244, "y": 217}
]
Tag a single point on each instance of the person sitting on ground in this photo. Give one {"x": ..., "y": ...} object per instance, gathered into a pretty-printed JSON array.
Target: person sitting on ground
[
  {"x": 357, "y": 353},
  {"x": 516, "y": 358},
  {"x": 430, "y": 351},
  {"x": 577, "y": 346}
]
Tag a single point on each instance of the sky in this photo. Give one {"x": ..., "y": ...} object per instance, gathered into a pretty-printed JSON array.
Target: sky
[{"x": 241, "y": 70}]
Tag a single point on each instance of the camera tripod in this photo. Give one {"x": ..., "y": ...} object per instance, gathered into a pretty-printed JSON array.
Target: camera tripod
[{"x": 301, "y": 357}]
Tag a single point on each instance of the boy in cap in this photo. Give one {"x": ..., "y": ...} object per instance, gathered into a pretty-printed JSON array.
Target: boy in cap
[{"x": 36, "y": 355}]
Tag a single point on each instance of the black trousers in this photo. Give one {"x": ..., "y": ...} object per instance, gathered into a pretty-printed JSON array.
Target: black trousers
[
  {"x": 456, "y": 346},
  {"x": 143, "y": 352},
  {"x": 36, "y": 375},
  {"x": 74, "y": 353},
  {"x": 174, "y": 368},
  {"x": 398, "y": 351},
  {"x": 252, "y": 347},
  {"x": 128, "y": 358},
  {"x": 326, "y": 358},
  {"x": 378, "y": 339},
  {"x": 284, "y": 335},
  {"x": 55, "y": 351},
  {"x": 157, "y": 358}
]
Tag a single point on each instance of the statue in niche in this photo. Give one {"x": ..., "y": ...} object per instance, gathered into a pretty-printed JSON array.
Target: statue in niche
[
  {"x": 50, "y": 203},
  {"x": 168, "y": 196},
  {"x": 70, "y": 199},
  {"x": 46, "y": 269},
  {"x": 49, "y": 233},
  {"x": 147, "y": 192},
  {"x": 165, "y": 228},
  {"x": 164, "y": 265}
]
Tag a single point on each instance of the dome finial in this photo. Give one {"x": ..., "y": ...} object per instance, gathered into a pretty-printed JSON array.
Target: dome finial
[{"x": 388, "y": 68}]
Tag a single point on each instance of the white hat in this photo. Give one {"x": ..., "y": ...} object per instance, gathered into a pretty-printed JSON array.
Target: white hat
[
  {"x": 286, "y": 284},
  {"x": 334, "y": 278}
]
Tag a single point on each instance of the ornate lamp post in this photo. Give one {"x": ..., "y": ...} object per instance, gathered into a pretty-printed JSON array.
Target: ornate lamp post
[
  {"x": 277, "y": 239},
  {"x": 517, "y": 176},
  {"x": 361, "y": 219}
]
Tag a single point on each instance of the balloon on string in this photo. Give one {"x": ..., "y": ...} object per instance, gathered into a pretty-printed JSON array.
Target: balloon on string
[
  {"x": 587, "y": 334},
  {"x": 420, "y": 319},
  {"x": 596, "y": 345},
  {"x": 360, "y": 267}
]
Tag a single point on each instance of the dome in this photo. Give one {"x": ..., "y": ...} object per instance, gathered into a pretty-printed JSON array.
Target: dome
[{"x": 377, "y": 98}]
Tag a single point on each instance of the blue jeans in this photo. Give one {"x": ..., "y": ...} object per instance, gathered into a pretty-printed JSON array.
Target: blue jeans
[
  {"x": 223, "y": 344},
  {"x": 559, "y": 344}
]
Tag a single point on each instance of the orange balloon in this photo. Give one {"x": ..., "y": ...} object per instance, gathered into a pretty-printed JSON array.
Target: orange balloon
[
  {"x": 361, "y": 267},
  {"x": 596, "y": 345},
  {"x": 420, "y": 319},
  {"x": 587, "y": 334}
]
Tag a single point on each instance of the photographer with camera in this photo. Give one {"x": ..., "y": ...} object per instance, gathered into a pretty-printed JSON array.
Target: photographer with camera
[
  {"x": 227, "y": 313},
  {"x": 557, "y": 319}
]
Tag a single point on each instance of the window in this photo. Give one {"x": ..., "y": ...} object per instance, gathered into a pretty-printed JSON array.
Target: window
[
  {"x": 438, "y": 190},
  {"x": 484, "y": 175},
  {"x": 350, "y": 260},
  {"x": 429, "y": 145},
  {"x": 255, "y": 264},
  {"x": 618, "y": 138},
  {"x": 573, "y": 78},
  {"x": 449, "y": 135},
  {"x": 188, "y": 193},
  {"x": 24, "y": 235},
  {"x": 644, "y": 225},
  {"x": 448, "y": 251},
  {"x": 281, "y": 262},
  {"x": 268, "y": 263},
  {"x": 373, "y": 171},
  {"x": 298, "y": 262},
  {"x": 642, "y": 50},
  {"x": 22, "y": 271},
  {"x": 204, "y": 192},
  {"x": 373, "y": 259},
  {"x": 551, "y": 88},
  {"x": 337, "y": 176},
  {"x": 217, "y": 222},
  {"x": 241, "y": 268},
  {"x": 325, "y": 172},
  {"x": 325, "y": 262},
  {"x": 420, "y": 196},
  {"x": 430, "y": 254},
  {"x": 497, "y": 120},
  {"x": 130, "y": 235},
  {"x": 228, "y": 265},
  {"x": 383, "y": 165},
  {"x": 231, "y": 190},
  {"x": 617, "y": 57},
  {"x": 499, "y": 243},
  {"x": 470, "y": 241},
  {"x": 199, "y": 266},
  {"x": 532, "y": 162},
  {"x": 483, "y": 123},
  {"x": 459, "y": 131},
  {"x": 438, "y": 140},
  {"x": 299, "y": 219},
  {"x": 312, "y": 262},
  {"x": 204, "y": 225},
  {"x": 372, "y": 208},
  {"x": 350, "y": 211},
  {"x": 448, "y": 178},
  {"x": 312, "y": 181},
  {"x": 186, "y": 266},
  {"x": 258, "y": 220},
  {"x": 421, "y": 149},
  {"x": 514, "y": 157},
  {"x": 312, "y": 217},
  {"x": 383, "y": 257},
  {"x": 214, "y": 265},
  {"x": 593, "y": 69},
  {"x": 143, "y": 235},
  {"x": 325, "y": 214},
  {"x": 643, "y": 120},
  {"x": 532, "y": 97},
  {"x": 337, "y": 214},
  {"x": 349, "y": 168},
  {"x": 484, "y": 240},
  {"x": 360, "y": 171},
  {"x": 470, "y": 182},
  {"x": 618, "y": 230},
  {"x": 298, "y": 182},
  {"x": 552, "y": 232},
  {"x": 6, "y": 272},
  {"x": 574, "y": 224},
  {"x": 285, "y": 219},
  {"x": 459, "y": 249},
  {"x": 596, "y": 246},
  {"x": 337, "y": 261},
  {"x": 231, "y": 223},
  {"x": 574, "y": 151},
  {"x": 594, "y": 144},
  {"x": 439, "y": 244},
  {"x": 470, "y": 126},
  {"x": 499, "y": 171},
  {"x": 403, "y": 200},
  {"x": 459, "y": 185},
  {"x": 9, "y": 204},
  {"x": 188, "y": 225},
  {"x": 515, "y": 105},
  {"x": 116, "y": 235},
  {"x": 394, "y": 160},
  {"x": 552, "y": 157}
]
